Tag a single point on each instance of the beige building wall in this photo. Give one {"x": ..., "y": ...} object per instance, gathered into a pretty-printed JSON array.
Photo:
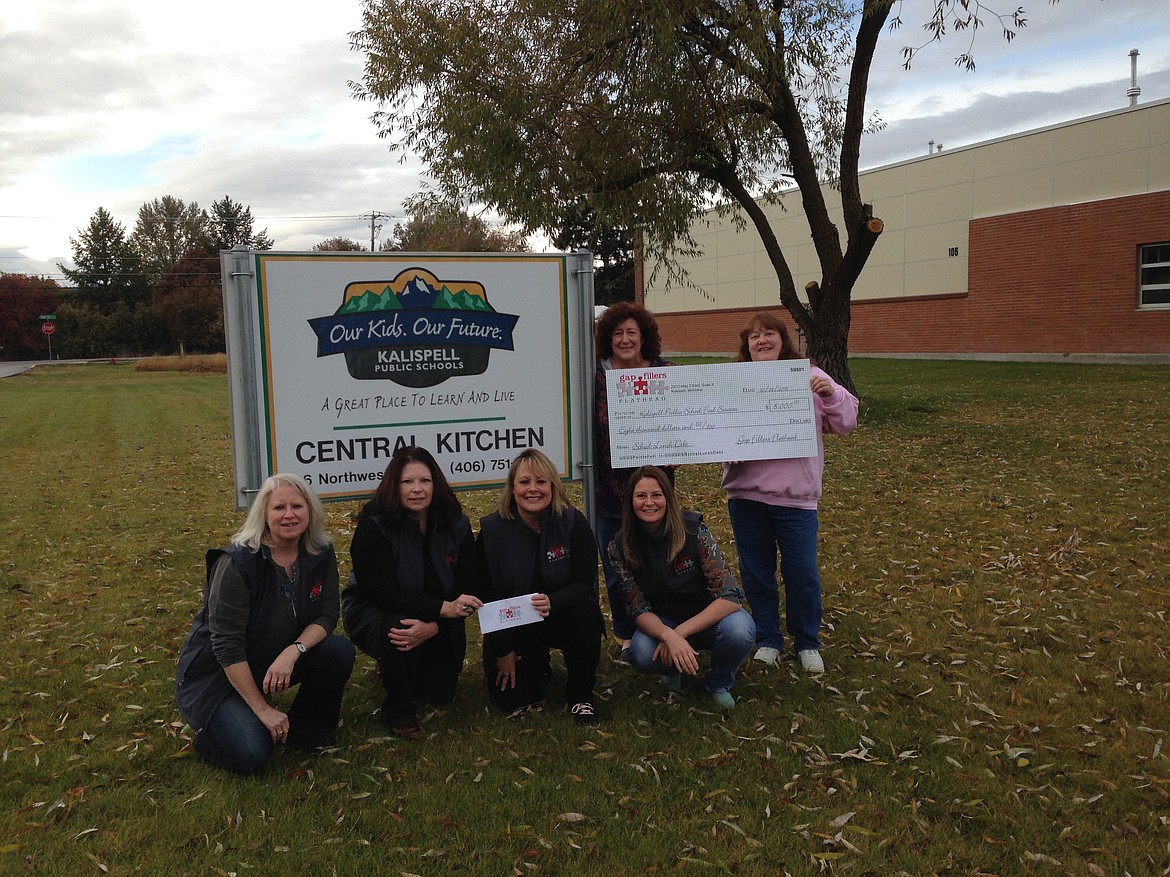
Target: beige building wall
[{"x": 926, "y": 204}]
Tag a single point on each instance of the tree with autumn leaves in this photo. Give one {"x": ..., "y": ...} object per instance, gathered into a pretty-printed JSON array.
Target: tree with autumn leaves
[
  {"x": 648, "y": 114},
  {"x": 23, "y": 301}
]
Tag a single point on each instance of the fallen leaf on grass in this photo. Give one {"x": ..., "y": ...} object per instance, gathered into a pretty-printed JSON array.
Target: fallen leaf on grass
[
  {"x": 1040, "y": 857},
  {"x": 572, "y": 817}
]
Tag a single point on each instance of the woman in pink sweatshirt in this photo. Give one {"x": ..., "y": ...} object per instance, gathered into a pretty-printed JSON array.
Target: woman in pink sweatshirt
[{"x": 773, "y": 506}]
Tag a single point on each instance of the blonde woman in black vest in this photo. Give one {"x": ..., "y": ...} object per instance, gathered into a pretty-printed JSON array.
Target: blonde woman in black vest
[{"x": 537, "y": 543}]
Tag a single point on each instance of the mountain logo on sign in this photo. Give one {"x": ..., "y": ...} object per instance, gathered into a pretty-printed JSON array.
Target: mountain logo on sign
[{"x": 415, "y": 330}]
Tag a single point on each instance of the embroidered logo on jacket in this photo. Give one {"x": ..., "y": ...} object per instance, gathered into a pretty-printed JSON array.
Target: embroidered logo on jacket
[
  {"x": 557, "y": 552},
  {"x": 315, "y": 591},
  {"x": 684, "y": 564}
]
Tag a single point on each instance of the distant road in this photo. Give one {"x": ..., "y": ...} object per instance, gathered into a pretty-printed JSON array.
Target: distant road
[{"x": 8, "y": 369}]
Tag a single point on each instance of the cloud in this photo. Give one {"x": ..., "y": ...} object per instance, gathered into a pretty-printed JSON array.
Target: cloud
[{"x": 123, "y": 101}]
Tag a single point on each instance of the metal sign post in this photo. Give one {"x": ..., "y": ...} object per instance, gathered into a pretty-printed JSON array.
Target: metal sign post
[{"x": 48, "y": 329}]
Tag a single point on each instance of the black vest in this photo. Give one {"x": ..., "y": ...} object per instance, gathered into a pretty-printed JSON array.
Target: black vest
[
  {"x": 200, "y": 683},
  {"x": 677, "y": 590},
  {"x": 406, "y": 542},
  {"x": 509, "y": 547}
]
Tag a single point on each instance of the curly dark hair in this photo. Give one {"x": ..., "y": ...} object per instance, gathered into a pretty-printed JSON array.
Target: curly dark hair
[
  {"x": 618, "y": 314},
  {"x": 766, "y": 320}
]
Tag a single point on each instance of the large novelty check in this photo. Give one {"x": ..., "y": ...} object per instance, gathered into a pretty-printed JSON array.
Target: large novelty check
[{"x": 711, "y": 413}]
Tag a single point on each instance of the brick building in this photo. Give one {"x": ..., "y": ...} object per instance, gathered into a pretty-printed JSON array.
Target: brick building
[{"x": 1049, "y": 244}]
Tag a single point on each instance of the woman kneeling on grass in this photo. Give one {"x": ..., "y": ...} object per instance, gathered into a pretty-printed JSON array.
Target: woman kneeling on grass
[
  {"x": 536, "y": 543},
  {"x": 678, "y": 589},
  {"x": 415, "y": 573},
  {"x": 270, "y": 603}
]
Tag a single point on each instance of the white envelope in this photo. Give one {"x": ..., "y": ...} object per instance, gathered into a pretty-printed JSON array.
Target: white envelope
[{"x": 512, "y": 612}]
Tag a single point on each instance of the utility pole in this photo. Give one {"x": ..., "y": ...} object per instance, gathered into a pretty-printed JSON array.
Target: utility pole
[{"x": 373, "y": 216}]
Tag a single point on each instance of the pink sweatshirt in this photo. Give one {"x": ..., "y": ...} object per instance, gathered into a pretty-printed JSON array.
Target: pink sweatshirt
[{"x": 794, "y": 483}]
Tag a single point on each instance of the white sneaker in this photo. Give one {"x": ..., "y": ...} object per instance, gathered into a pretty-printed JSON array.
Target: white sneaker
[
  {"x": 768, "y": 655},
  {"x": 810, "y": 662}
]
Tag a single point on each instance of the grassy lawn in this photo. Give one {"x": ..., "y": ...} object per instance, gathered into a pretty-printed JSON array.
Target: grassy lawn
[{"x": 996, "y": 555}]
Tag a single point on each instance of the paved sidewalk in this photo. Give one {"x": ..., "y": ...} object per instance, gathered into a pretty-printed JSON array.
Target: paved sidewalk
[{"x": 8, "y": 369}]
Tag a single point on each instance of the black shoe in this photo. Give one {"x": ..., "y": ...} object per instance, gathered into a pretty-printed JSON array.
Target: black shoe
[
  {"x": 583, "y": 714},
  {"x": 624, "y": 657},
  {"x": 313, "y": 746},
  {"x": 403, "y": 726}
]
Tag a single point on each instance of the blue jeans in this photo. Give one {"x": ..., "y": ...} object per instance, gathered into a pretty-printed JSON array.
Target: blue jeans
[
  {"x": 623, "y": 625},
  {"x": 729, "y": 641},
  {"x": 236, "y": 740},
  {"x": 760, "y": 530}
]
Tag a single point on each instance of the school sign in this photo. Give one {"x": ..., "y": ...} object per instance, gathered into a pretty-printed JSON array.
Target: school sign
[{"x": 335, "y": 360}]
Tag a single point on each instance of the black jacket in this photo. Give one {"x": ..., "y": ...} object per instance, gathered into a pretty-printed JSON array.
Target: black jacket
[
  {"x": 398, "y": 573},
  {"x": 560, "y": 560}
]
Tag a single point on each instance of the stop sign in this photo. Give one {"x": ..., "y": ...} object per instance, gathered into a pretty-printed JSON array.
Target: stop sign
[{"x": 48, "y": 328}]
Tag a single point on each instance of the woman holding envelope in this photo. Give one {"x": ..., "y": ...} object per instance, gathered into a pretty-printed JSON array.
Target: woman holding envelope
[
  {"x": 540, "y": 550},
  {"x": 681, "y": 594},
  {"x": 415, "y": 573},
  {"x": 773, "y": 506}
]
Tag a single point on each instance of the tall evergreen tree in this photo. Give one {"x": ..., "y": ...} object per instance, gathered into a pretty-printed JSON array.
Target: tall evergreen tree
[
  {"x": 612, "y": 248},
  {"x": 230, "y": 224},
  {"x": 107, "y": 268}
]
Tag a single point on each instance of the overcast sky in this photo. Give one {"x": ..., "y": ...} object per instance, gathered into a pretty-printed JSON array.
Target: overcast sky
[{"x": 111, "y": 103}]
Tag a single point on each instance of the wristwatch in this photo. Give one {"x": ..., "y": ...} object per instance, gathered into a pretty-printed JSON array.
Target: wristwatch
[{"x": 300, "y": 647}]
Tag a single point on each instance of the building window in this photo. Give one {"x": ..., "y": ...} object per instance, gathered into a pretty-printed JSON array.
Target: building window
[{"x": 1155, "y": 285}]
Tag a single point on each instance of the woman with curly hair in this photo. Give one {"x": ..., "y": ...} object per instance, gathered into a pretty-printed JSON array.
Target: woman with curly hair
[{"x": 626, "y": 336}]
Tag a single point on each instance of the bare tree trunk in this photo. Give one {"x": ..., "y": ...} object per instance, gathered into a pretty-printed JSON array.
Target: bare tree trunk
[{"x": 828, "y": 344}]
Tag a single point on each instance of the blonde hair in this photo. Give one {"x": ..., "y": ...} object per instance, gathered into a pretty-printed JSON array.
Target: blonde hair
[
  {"x": 254, "y": 531},
  {"x": 540, "y": 465}
]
